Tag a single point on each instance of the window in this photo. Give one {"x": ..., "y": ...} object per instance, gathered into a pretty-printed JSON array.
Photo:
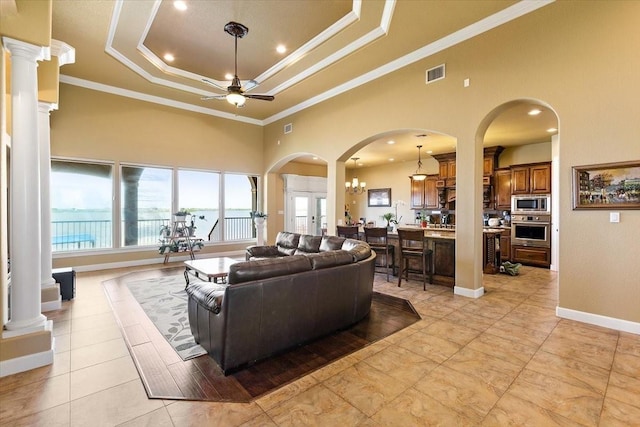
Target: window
[
  {"x": 86, "y": 215},
  {"x": 199, "y": 193},
  {"x": 145, "y": 200},
  {"x": 240, "y": 198},
  {"x": 81, "y": 205}
]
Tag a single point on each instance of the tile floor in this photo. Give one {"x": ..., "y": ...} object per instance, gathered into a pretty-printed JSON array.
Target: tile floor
[{"x": 503, "y": 359}]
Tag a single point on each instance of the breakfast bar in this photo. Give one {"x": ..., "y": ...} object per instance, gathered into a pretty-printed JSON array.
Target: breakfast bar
[{"x": 442, "y": 241}]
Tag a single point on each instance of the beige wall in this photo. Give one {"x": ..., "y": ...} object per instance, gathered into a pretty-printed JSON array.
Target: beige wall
[
  {"x": 531, "y": 153},
  {"x": 557, "y": 55},
  {"x": 31, "y": 23}
]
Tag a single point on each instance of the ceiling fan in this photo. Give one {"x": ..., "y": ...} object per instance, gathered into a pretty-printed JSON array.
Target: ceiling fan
[{"x": 236, "y": 93}]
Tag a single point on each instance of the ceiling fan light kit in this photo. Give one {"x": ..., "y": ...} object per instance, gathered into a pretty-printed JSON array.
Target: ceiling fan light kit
[{"x": 236, "y": 94}]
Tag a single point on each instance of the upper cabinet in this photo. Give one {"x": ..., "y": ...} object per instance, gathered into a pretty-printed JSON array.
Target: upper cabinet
[
  {"x": 424, "y": 194},
  {"x": 490, "y": 162},
  {"x": 447, "y": 173},
  {"x": 531, "y": 179},
  {"x": 503, "y": 189}
]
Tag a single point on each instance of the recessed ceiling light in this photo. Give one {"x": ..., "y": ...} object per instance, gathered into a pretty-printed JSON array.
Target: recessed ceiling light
[
  {"x": 281, "y": 48},
  {"x": 551, "y": 130},
  {"x": 534, "y": 112},
  {"x": 315, "y": 157},
  {"x": 169, "y": 57},
  {"x": 228, "y": 76},
  {"x": 430, "y": 151},
  {"x": 180, "y": 4},
  {"x": 391, "y": 142},
  {"x": 391, "y": 159}
]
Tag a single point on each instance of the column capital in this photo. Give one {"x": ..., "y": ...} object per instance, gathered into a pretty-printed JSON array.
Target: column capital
[
  {"x": 26, "y": 50},
  {"x": 65, "y": 53}
]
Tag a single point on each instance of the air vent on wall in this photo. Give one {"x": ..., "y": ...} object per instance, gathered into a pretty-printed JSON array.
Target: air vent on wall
[
  {"x": 288, "y": 128},
  {"x": 434, "y": 74}
]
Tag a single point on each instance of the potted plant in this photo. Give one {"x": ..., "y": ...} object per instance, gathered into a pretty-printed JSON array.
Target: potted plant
[
  {"x": 390, "y": 218},
  {"x": 181, "y": 215}
]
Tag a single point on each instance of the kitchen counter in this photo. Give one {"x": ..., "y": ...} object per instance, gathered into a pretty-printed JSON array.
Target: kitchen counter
[{"x": 442, "y": 242}]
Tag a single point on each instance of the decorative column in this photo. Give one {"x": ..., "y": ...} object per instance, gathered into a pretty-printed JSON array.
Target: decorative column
[
  {"x": 61, "y": 54},
  {"x": 25, "y": 232},
  {"x": 50, "y": 298}
]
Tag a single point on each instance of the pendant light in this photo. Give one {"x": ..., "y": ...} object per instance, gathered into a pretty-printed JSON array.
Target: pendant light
[{"x": 419, "y": 175}]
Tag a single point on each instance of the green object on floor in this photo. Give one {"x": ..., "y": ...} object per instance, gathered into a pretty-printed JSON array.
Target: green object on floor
[{"x": 510, "y": 268}]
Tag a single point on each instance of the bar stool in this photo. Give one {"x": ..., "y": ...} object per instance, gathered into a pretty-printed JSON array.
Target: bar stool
[
  {"x": 378, "y": 240},
  {"x": 348, "y": 231},
  {"x": 413, "y": 246}
]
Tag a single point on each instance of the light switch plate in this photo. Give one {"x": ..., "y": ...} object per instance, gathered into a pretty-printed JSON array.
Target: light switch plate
[{"x": 614, "y": 216}]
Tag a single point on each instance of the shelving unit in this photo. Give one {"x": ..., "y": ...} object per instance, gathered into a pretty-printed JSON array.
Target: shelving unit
[{"x": 179, "y": 241}]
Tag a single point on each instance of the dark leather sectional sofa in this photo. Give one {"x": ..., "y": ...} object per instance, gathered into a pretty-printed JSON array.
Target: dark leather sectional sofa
[{"x": 297, "y": 290}]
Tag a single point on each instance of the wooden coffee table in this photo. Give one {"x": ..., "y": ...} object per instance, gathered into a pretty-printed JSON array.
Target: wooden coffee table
[{"x": 216, "y": 269}]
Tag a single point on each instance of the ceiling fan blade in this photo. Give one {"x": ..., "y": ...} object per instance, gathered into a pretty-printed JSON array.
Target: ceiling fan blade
[
  {"x": 250, "y": 84},
  {"x": 216, "y": 85},
  {"x": 261, "y": 97},
  {"x": 206, "y": 98}
]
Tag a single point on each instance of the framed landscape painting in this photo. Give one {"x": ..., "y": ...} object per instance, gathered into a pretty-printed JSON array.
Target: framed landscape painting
[
  {"x": 380, "y": 197},
  {"x": 607, "y": 186}
]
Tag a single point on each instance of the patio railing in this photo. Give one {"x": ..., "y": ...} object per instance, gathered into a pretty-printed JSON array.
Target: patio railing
[{"x": 97, "y": 234}]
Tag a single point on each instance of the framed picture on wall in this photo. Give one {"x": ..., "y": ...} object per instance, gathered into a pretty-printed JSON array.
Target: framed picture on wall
[
  {"x": 379, "y": 197},
  {"x": 607, "y": 186}
]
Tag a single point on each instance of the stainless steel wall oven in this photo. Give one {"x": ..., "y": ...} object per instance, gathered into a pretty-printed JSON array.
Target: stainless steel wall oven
[{"x": 531, "y": 230}]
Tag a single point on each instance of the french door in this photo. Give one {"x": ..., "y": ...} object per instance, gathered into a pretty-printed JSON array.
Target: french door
[{"x": 306, "y": 213}]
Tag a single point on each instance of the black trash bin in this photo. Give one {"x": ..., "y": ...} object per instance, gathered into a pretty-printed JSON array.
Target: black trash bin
[{"x": 66, "y": 277}]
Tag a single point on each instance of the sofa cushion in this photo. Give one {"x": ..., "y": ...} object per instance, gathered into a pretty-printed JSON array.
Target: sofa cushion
[
  {"x": 265, "y": 268},
  {"x": 329, "y": 259},
  {"x": 308, "y": 244},
  {"x": 331, "y": 243},
  {"x": 358, "y": 249},
  {"x": 208, "y": 294},
  {"x": 287, "y": 243},
  {"x": 261, "y": 252}
]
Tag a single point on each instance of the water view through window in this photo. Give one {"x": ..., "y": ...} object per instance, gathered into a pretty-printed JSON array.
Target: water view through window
[{"x": 83, "y": 205}]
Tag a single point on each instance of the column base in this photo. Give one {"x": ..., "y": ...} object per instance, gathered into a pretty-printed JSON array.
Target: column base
[
  {"x": 50, "y": 298},
  {"x": 23, "y": 327}
]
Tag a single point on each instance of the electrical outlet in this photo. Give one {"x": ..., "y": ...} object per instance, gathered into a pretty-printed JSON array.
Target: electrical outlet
[{"x": 614, "y": 216}]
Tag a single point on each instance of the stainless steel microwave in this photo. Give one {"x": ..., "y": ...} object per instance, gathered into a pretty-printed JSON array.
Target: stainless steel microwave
[{"x": 531, "y": 203}]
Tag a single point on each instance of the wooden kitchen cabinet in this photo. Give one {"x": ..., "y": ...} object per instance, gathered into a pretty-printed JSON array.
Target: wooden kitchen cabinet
[
  {"x": 503, "y": 189},
  {"x": 505, "y": 245},
  {"x": 540, "y": 179},
  {"x": 447, "y": 170},
  {"x": 531, "y": 179},
  {"x": 424, "y": 194},
  {"x": 529, "y": 255},
  {"x": 490, "y": 162}
]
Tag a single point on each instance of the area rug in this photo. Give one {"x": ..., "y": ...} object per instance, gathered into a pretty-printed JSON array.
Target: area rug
[
  {"x": 165, "y": 375},
  {"x": 164, "y": 300}
]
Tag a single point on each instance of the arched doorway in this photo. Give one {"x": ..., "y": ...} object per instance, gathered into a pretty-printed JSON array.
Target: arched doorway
[
  {"x": 296, "y": 194},
  {"x": 526, "y": 130}
]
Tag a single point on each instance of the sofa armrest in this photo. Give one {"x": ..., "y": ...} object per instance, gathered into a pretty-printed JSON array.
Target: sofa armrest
[{"x": 261, "y": 252}]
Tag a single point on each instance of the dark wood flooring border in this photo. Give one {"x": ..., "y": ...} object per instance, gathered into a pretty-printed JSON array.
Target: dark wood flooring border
[{"x": 167, "y": 376}]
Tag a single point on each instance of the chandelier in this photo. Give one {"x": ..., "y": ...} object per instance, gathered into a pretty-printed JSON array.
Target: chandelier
[
  {"x": 355, "y": 187},
  {"x": 419, "y": 175}
]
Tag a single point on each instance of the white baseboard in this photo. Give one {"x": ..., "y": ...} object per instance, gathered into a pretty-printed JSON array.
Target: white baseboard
[
  {"x": 469, "y": 293},
  {"x": 152, "y": 261},
  {"x": 599, "y": 320},
  {"x": 25, "y": 363}
]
